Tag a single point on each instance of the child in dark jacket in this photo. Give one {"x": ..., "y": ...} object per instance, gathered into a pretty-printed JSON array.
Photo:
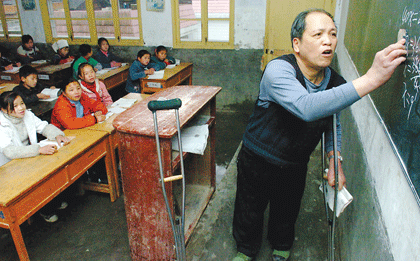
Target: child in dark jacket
[
  {"x": 29, "y": 88},
  {"x": 140, "y": 68},
  {"x": 105, "y": 56},
  {"x": 161, "y": 58}
]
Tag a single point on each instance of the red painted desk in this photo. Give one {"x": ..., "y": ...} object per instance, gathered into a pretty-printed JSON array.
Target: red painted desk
[{"x": 149, "y": 229}]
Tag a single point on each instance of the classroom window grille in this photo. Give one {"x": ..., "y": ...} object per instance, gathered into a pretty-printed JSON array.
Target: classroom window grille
[
  {"x": 10, "y": 24},
  {"x": 85, "y": 21},
  {"x": 203, "y": 23}
]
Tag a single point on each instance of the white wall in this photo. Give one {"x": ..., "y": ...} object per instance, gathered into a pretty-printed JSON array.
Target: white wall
[
  {"x": 250, "y": 24},
  {"x": 31, "y": 22},
  {"x": 157, "y": 26}
]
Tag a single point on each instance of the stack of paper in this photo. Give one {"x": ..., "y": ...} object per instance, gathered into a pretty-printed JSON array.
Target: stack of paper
[
  {"x": 15, "y": 69},
  {"x": 157, "y": 75},
  {"x": 124, "y": 103},
  {"x": 344, "y": 198},
  {"x": 194, "y": 139}
]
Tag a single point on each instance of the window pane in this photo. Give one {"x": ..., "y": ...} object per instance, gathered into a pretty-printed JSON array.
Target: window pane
[
  {"x": 189, "y": 9},
  {"x": 10, "y": 9},
  {"x": 77, "y": 9},
  {"x": 219, "y": 31},
  {"x": 59, "y": 28},
  {"x": 56, "y": 8},
  {"x": 80, "y": 29},
  {"x": 13, "y": 27},
  {"x": 190, "y": 30},
  {"x": 1, "y": 29},
  {"x": 105, "y": 28},
  {"x": 129, "y": 29},
  {"x": 218, "y": 8},
  {"x": 99, "y": 5},
  {"x": 124, "y": 6}
]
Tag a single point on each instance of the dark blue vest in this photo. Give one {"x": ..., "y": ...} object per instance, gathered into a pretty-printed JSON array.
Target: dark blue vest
[{"x": 279, "y": 136}]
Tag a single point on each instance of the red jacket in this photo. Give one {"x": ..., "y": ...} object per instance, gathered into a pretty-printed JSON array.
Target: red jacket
[{"x": 64, "y": 113}]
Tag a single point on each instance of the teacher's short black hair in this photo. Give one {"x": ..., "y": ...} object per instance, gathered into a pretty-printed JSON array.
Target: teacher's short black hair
[{"x": 299, "y": 24}]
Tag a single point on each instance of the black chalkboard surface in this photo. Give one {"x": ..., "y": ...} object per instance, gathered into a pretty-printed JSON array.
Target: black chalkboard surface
[{"x": 372, "y": 25}]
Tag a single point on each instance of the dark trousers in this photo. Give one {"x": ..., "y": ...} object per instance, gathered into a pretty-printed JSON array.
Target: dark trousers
[{"x": 259, "y": 183}]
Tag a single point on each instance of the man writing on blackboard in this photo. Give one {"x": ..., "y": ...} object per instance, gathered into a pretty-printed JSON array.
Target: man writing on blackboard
[{"x": 298, "y": 95}]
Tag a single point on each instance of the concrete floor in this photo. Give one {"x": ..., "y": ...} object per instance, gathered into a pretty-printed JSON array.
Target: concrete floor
[{"x": 93, "y": 228}]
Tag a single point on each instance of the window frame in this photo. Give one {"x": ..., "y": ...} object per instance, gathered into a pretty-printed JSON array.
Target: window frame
[
  {"x": 93, "y": 40},
  {"x": 204, "y": 43},
  {"x": 3, "y": 20}
]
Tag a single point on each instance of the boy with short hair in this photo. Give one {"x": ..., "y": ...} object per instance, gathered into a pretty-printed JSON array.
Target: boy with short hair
[
  {"x": 161, "y": 59},
  {"x": 27, "y": 52},
  {"x": 85, "y": 57},
  {"x": 29, "y": 88}
]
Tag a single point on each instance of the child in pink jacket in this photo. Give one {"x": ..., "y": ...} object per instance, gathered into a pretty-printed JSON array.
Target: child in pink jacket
[{"x": 91, "y": 86}]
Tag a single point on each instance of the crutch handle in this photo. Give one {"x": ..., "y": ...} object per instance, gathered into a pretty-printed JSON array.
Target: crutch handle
[{"x": 164, "y": 105}]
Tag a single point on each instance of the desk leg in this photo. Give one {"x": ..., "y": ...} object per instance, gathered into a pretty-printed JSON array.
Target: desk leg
[
  {"x": 190, "y": 80},
  {"x": 19, "y": 243},
  {"x": 111, "y": 171},
  {"x": 114, "y": 165}
]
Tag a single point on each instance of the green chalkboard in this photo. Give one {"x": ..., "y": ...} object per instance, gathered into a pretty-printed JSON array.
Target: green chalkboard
[{"x": 371, "y": 26}]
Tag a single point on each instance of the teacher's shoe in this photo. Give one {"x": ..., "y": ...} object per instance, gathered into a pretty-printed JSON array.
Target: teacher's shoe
[
  {"x": 280, "y": 255},
  {"x": 241, "y": 257}
]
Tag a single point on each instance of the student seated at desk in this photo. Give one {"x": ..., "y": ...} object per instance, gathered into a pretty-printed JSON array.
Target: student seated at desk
[
  {"x": 18, "y": 138},
  {"x": 140, "y": 68},
  {"x": 61, "y": 47},
  {"x": 85, "y": 52},
  {"x": 161, "y": 58},
  {"x": 29, "y": 88},
  {"x": 91, "y": 86},
  {"x": 105, "y": 56},
  {"x": 6, "y": 64},
  {"x": 74, "y": 109},
  {"x": 27, "y": 52}
]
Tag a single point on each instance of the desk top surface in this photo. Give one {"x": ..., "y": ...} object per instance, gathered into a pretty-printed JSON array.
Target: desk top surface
[
  {"x": 52, "y": 68},
  {"x": 4, "y": 87},
  {"x": 107, "y": 124},
  {"x": 112, "y": 72},
  {"x": 139, "y": 119},
  {"x": 168, "y": 73},
  {"x": 20, "y": 175}
]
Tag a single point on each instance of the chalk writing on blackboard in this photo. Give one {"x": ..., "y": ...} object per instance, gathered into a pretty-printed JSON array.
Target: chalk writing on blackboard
[{"x": 410, "y": 19}]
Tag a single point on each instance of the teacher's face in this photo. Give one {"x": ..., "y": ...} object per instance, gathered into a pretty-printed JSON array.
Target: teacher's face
[{"x": 317, "y": 45}]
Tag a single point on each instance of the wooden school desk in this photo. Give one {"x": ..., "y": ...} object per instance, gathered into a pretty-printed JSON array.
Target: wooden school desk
[
  {"x": 13, "y": 77},
  {"x": 107, "y": 127},
  {"x": 149, "y": 229},
  {"x": 26, "y": 185},
  {"x": 114, "y": 77},
  {"x": 5, "y": 87},
  {"x": 52, "y": 75},
  {"x": 171, "y": 77}
]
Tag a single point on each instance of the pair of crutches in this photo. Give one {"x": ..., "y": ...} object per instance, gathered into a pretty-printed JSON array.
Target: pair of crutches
[
  {"x": 331, "y": 220},
  {"x": 177, "y": 223}
]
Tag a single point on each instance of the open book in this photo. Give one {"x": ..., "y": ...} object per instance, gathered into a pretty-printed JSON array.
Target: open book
[{"x": 53, "y": 93}]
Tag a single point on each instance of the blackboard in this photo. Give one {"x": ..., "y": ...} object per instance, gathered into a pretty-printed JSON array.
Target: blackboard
[{"x": 371, "y": 26}]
